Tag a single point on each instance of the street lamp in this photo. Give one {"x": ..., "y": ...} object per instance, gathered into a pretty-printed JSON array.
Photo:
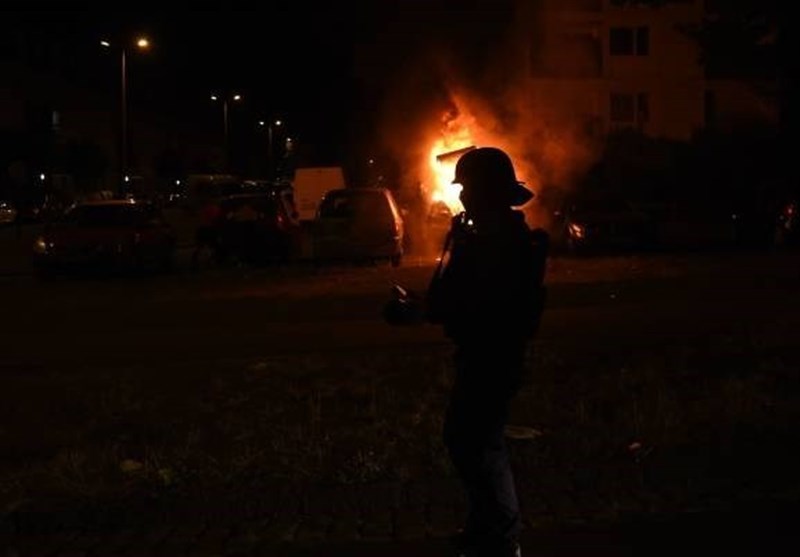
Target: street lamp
[
  {"x": 141, "y": 43},
  {"x": 236, "y": 98},
  {"x": 270, "y": 147}
]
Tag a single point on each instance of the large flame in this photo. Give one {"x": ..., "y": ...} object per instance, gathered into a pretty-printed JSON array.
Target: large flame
[
  {"x": 539, "y": 131},
  {"x": 459, "y": 130},
  {"x": 456, "y": 134}
]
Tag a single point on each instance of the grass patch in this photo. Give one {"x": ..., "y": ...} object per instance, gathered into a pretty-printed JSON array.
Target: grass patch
[{"x": 716, "y": 417}]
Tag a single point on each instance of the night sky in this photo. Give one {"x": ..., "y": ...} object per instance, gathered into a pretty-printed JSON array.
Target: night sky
[{"x": 323, "y": 67}]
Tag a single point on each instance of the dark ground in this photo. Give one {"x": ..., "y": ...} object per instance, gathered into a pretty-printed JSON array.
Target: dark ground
[{"x": 273, "y": 413}]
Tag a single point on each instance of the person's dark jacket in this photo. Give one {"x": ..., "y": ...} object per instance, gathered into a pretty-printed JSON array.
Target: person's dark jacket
[{"x": 490, "y": 283}]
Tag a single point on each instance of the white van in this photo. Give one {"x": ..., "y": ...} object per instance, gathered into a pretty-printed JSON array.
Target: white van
[
  {"x": 310, "y": 184},
  {"x": 358, "y": 224}
]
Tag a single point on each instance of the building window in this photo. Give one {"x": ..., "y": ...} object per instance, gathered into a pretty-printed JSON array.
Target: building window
[
  {"x": 630, "y": 109},
  {"x": 629, "y": 41},
  {"x": 620, "y": 41}
]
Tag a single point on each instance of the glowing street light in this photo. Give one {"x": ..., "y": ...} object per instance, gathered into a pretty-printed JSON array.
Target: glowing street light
[
  {"x": 270, "y": 145},
  {"x": 142, "y": 43},
  {"x": 233, "y": 97}
]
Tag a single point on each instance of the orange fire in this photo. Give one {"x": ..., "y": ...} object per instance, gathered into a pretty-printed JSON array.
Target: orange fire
[
  {"x": 460, "y": 130},
  {"x": 545, "y": 153},
  {"x": 456, "y": 135}
]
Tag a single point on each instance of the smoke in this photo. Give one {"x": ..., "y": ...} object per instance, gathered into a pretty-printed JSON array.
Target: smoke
[{"x": 475, "y": 74}]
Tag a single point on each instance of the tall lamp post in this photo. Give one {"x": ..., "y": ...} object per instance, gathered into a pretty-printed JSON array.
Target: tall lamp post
[
  {"x": 141, "y": 43},
  {"x": 216, "y": 98},
  {"x": 270, "y": 146}
]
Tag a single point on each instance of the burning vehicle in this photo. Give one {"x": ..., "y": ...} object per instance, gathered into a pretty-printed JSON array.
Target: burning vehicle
[
  {"x": 539, "y": 158},
  {"x": 438, "y": 221},
  {"x": 444, "y": 204}
]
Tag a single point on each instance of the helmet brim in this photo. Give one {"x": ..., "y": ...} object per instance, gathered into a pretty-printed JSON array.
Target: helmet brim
[{"x": 520, "y": 195}]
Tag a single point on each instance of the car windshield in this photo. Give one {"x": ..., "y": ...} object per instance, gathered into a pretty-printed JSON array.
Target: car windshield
[
  {"x": 348, "y": 203},
  {"x": 118, "y": 215}
]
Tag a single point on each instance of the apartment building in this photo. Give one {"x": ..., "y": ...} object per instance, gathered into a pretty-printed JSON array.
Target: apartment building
[{"x": 614, "y": 65}]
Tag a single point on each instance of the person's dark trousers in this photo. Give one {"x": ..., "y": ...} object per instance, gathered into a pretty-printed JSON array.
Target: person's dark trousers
[{"x": 487, "y": 378}]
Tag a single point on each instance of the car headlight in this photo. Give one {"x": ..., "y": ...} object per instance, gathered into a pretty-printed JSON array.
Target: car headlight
[
  {"x": 576, "y": 230},
  {"x": 41, "y": 246}
]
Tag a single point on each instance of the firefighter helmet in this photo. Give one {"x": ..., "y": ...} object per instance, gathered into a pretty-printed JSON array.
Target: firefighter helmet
[{"x": 489, "y": 173}]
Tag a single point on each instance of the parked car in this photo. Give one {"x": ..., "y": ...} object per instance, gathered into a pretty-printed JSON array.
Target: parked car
[
  {"x": 8, "y": 213},
  {"x": 722, "y": 222},
  {"x": 602, "y": 221},
  {"x": 254, "y": 228},
  {"x": 106, "y": 234},
  {"x": 358, "y": 224}
]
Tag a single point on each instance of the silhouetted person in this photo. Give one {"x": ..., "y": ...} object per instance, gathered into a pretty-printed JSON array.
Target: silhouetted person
[{"x": 487, "y": 293}]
